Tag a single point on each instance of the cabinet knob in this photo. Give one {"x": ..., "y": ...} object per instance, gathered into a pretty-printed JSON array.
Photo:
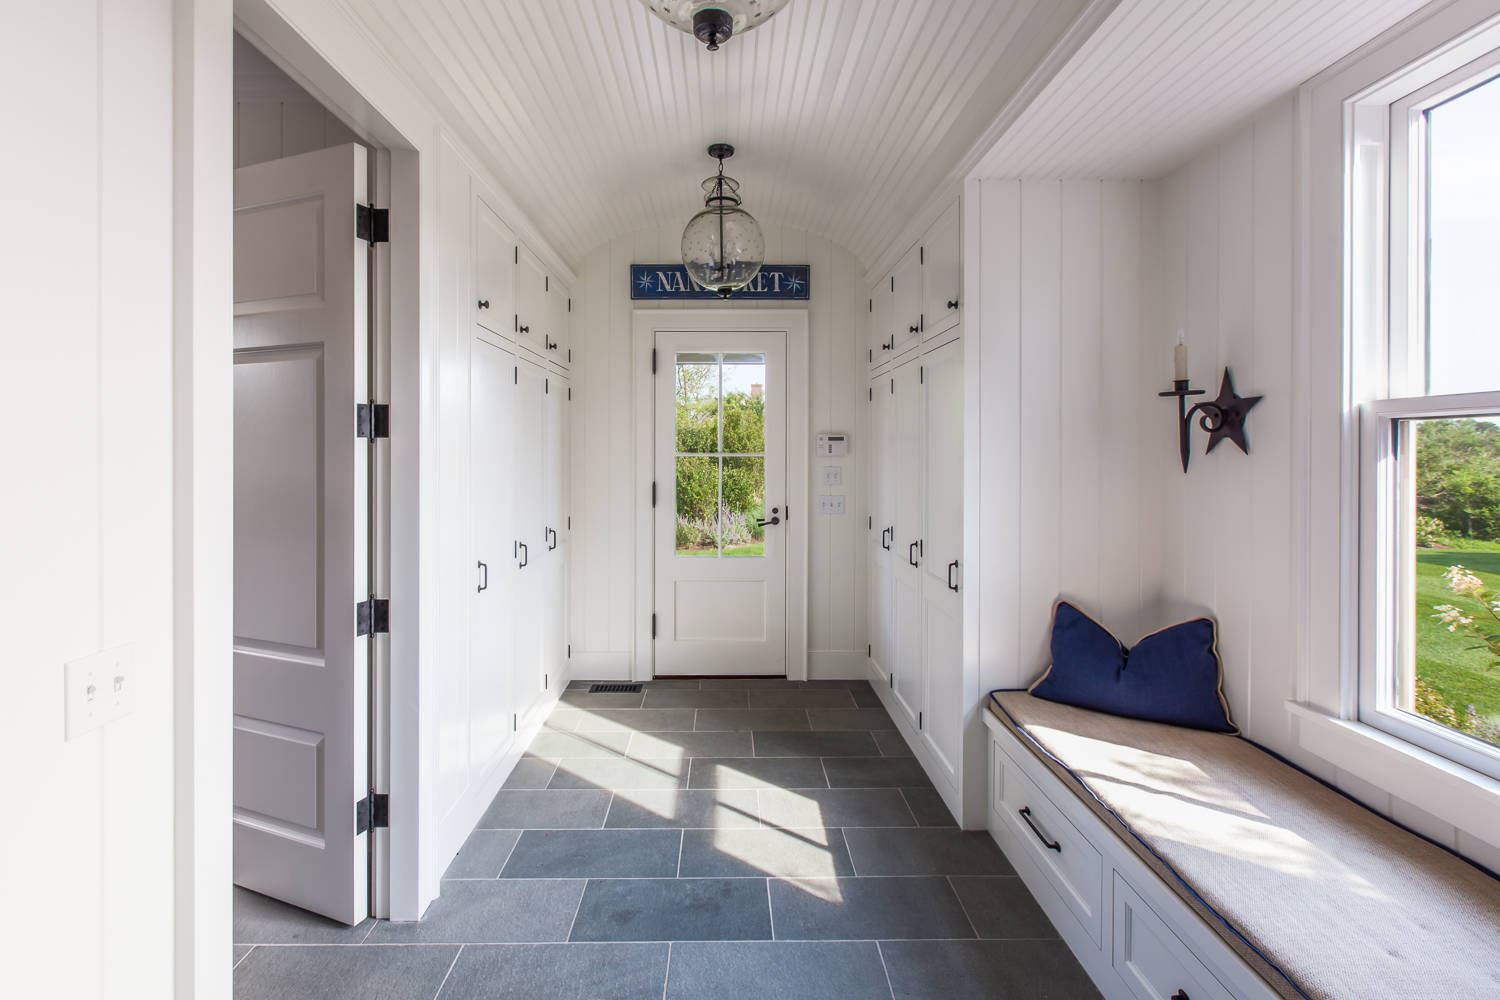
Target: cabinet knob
[
  {"x": 525, "y": 329},
  {"x": 484, "y": 303},
  {"x": 915, "y": 329},
  {"x": 952, "y": 303}
]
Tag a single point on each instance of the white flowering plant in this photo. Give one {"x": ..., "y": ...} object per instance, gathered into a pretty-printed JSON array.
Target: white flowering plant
[{"x": 1463, "y": 583}]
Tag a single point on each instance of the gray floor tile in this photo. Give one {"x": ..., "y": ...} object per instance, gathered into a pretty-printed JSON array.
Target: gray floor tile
[
  {"x": 690, "y": 745},
  {"x": 779, "y": 853},
  {"x": 241, "y": 950},
  {"x": 1001, "y": 907},
  {"x": 332, "y": 972},
  {"x": 849, "y": 718},
  {"x": 620, "y": 772},
  {"x": 757, "y": 772},
  {"x": 801, "y": 698},
  {"x": 498, "y": 911},
  {"x": 745, "y": 683},
  {"x": 677, "y": 909},
  {"x": 824, "y": 744},
  {"x": 261, "y": 920},
  {"x": 595, "y": 854},
  {"x": 875, "y": 772},
  {"x": 718, "y": 719},
  {"x": 636, "y": 720},
  {"x": 563, "y": 718},
  {"x": 559, "y": 809},
  {"x": 810, "y": 909},
  {"x": 928, "y": 807},
  {"x": 984, "y": 970},
  {"x": 865, "y": 697},
  {"x": 583, "y": 699},
  {"x": 776, "y": 970},
  {"x": 892, "y": 743},
  {"x": 483, "y": 854},
  {"x": 530, "y": 772},
  {"x": 673, "y": 684},
  {"x": 553, "y": 746},
  {"x": 558, "y": 972},
  {"x": 835, "y": 807},
  {"x": 705, "y": 808},
  {"x": 695, "y": 699},
  {"x": 926, "y": 851}
]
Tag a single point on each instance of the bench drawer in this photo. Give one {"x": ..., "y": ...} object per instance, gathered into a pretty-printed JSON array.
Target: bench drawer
[
  {"x": 1071, "y": 863},
  {"x": 1151, "y": 959}
]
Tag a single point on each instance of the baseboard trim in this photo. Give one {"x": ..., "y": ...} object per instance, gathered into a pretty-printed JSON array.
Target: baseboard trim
[
  {"x": 600, "y": 667},
  {"x": 835, "y": 665}
]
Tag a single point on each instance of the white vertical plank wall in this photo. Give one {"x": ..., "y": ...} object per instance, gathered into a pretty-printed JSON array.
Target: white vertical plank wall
[
  {"x": 273, "y": 115},
  {"x": 603, "y": 584}
]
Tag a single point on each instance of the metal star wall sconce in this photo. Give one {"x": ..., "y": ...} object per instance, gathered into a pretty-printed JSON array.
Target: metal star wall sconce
[{"x": 1223, "y": 417}]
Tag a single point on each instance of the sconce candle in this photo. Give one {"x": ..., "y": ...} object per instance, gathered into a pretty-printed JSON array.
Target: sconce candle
[{"x": 1179, "y": 361}]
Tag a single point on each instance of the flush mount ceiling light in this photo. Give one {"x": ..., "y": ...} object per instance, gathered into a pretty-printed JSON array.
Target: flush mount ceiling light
[
  {"x": 722, "y": 246},
  {"x": 714, "y": 21}
]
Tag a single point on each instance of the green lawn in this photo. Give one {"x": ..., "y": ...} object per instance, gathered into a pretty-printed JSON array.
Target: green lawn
[
  {"x": 1460, "y": 675},
  {"x": 733, "y": 551}
]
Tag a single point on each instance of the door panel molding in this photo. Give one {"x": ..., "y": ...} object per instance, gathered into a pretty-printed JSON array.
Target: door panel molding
[{"x": 646, "y": 324}]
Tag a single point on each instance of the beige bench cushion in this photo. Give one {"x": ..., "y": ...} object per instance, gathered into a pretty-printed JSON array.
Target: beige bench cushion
[{"x": 1321, "y": 896}]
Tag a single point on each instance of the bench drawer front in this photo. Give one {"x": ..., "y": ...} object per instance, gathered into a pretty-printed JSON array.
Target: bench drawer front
[
  {"x": 1072, "y": 864},
  {"x": 1151, "y": 959}
]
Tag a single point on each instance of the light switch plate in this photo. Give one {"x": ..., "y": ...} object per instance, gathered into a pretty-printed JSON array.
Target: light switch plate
[
  {"x": 99, "y": 689},
  {"x": 830, "y": 504},
  {"x": 833, "y": 475}
]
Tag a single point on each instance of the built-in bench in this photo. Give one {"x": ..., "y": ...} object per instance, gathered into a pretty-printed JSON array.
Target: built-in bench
[{"x": 1186, "y": 865}]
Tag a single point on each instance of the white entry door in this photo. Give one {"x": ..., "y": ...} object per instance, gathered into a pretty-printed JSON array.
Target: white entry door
[
  {"x": 301, "y": 545},
  {"x": 721, "y": 504}
]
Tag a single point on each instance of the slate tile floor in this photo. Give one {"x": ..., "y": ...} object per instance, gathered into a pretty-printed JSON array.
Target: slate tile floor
[{"x": 745, "y": 838}]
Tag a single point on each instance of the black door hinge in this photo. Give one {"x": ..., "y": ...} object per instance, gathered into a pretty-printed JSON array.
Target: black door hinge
[
  {"x": 372, "y": 420},
  {"x": 372, "y": 617},
  {"x": 373, "y": 812},
  {"x": 373, "y": 225},
  {"x": 653, "y": 624}
]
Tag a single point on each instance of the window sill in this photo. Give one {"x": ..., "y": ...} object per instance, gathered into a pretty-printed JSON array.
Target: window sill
[{"x": 1455, "y": 794}]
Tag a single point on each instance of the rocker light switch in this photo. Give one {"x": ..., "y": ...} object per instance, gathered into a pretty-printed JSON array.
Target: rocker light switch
[
  {"x": 833, "y": 475},
  {"x": 98, "y": 689}
]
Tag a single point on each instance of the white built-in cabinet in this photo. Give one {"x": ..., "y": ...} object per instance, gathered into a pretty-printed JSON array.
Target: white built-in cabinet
[
  {"x": 919, "y": 299},
  {"x": 517, "y": 531},
  {"x": 916, "y": 502}
]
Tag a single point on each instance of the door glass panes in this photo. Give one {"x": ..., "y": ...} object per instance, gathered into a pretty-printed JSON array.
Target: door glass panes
[
  {"x": 1448, "y": 662},
  {"x": 744, "y": 506},
  {"x": 1463, "y": 230},
  {"x": 721, "y": 464}
]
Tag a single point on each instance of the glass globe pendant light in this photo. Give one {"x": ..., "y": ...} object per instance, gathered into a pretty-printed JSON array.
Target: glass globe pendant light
[
  {"x": 714, "y": 21},
  {"x": 722, "y": 246}
]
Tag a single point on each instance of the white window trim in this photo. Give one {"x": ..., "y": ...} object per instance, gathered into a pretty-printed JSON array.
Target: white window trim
[{"x": 1341, "y": 365}]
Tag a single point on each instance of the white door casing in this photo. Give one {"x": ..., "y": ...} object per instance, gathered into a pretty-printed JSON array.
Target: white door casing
[
  {"x": 301, "y": 338},
  {"x": 724, "y": 611},
  {"x": 650, "y": 326}
]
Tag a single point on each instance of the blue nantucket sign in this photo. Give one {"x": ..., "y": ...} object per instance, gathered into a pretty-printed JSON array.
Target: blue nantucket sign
[{"x": 671, "y": 281}]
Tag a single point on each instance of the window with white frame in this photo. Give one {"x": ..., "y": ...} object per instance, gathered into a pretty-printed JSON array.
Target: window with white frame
[{"x": 1424, "y": 260}]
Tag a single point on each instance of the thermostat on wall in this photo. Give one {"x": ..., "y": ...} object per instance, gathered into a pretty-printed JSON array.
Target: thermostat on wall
[{"x": 833, "y": 445}]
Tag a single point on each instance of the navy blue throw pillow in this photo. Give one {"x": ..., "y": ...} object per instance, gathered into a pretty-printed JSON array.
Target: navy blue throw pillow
[{"x": 1172, "y": 676}]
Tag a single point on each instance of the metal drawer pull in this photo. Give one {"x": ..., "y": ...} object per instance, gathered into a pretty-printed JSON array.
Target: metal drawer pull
[
  {"x": 911, "y": 553},
  {"x": 525, "y": 556},
  {"x": 484, "y": 583},
  {"x": 1050, "y": 845},
  {"x": 952, "y": 567}
]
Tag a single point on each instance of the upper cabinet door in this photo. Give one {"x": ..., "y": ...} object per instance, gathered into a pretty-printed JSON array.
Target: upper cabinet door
[
  {"x": 558, "y": 344},
  {"x": 906, "y": 300},
  {"x": 879, "y": 315},
  {"x": 942, "y": 274},
  {"x": 493, "y": 269},
  {"x": 533, "y": 312}
]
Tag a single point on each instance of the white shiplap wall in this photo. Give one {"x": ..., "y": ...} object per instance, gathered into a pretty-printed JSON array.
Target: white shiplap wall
[
  {"x": 1067, "y": 503},
  {"x": 273, "y": 115},
  {"x": 603, "y": 474}
]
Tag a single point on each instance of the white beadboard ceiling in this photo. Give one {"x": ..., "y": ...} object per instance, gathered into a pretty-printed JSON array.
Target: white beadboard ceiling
[
  {"x": 847, "y": 114},
  {"x": 1162, "y": 77}
]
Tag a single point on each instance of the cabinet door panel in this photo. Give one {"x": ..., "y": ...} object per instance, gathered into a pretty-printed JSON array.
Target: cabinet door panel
[
  {"x": 490, "y": 653},
  {"x": 882, "y": 514},
  {"x": 880, "y": 338},
  {"x": 493, "y": 303},
  {"x": 942, "y": 274},
  {"x": 906, "y": 300},
  {"x": 533, "y": 313},
  {"x": 530, "y": 535},
  {"x": 908, "y": 547},
  {"x": 942, "y": 509},
  {"x": 557, "y": 343}
]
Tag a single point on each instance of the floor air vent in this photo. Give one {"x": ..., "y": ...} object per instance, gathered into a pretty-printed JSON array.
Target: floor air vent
[{"x": 614, "y": 689}]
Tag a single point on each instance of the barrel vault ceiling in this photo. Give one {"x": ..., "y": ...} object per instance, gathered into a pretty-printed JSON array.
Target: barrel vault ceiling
[{"x": 595, "y": 115}]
